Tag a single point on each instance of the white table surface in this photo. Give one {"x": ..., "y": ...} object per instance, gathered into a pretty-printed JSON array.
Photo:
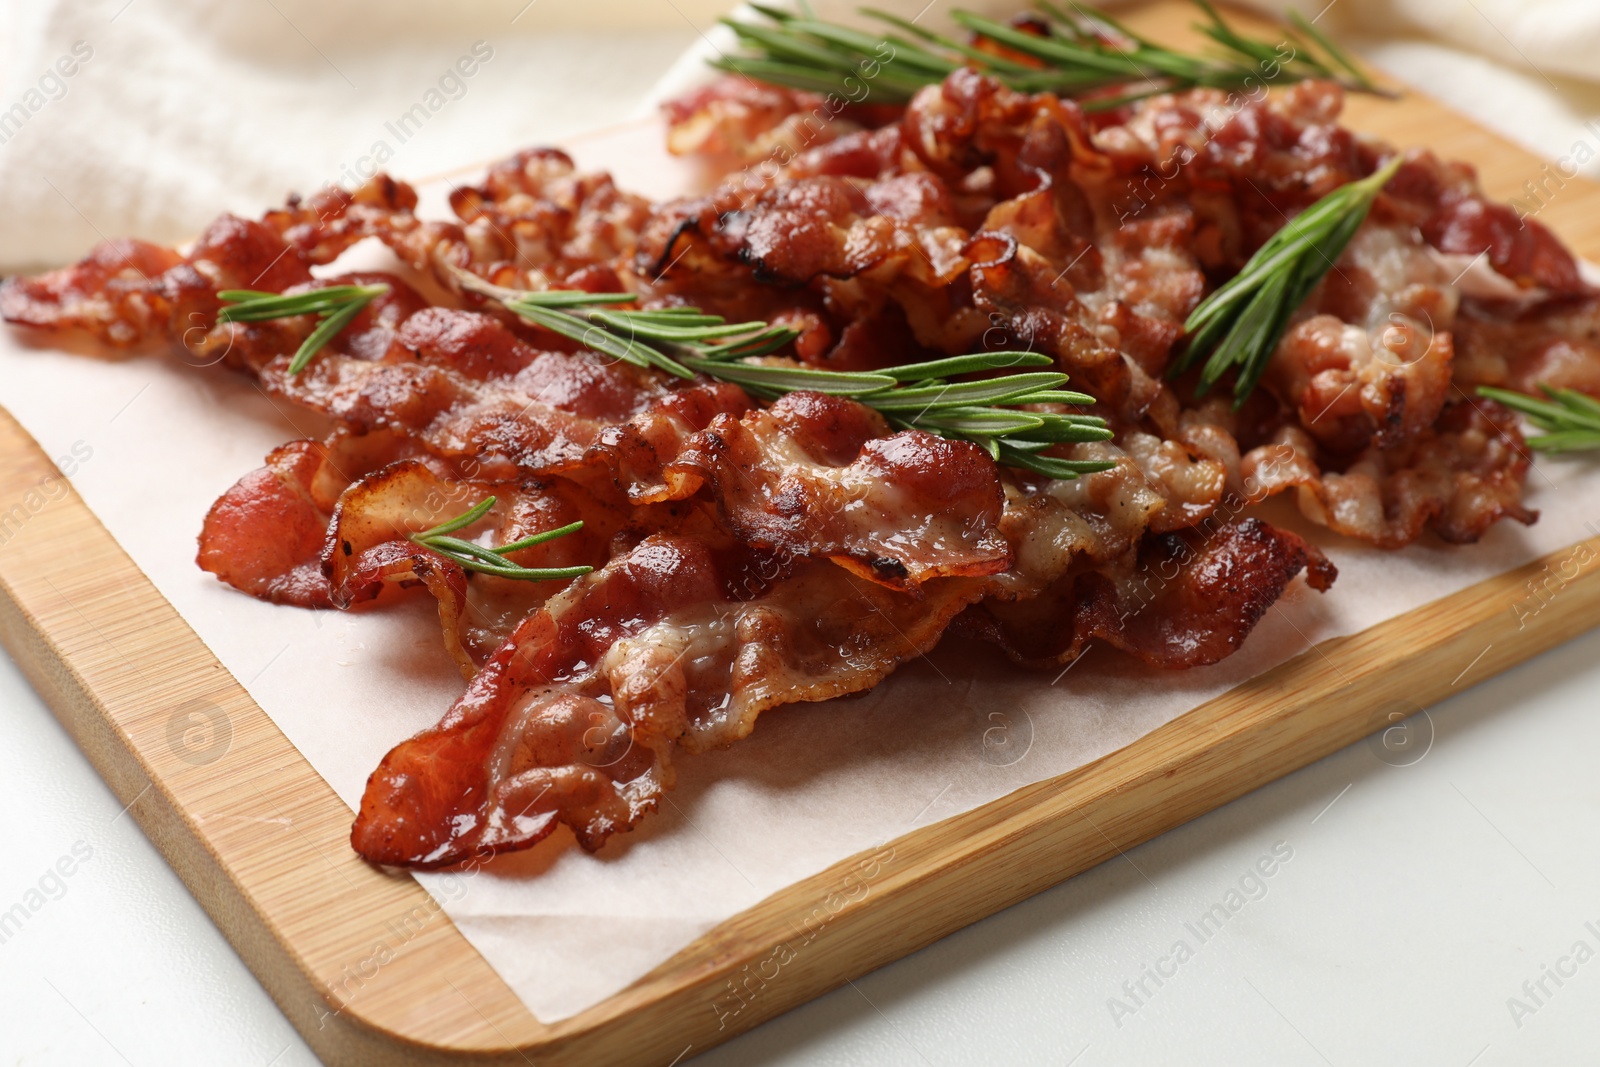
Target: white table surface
[{"x": 1418, "y": 899}]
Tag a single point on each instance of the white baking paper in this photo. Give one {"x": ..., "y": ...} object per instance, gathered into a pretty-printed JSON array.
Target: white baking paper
[{"x": 150, "y": 443}]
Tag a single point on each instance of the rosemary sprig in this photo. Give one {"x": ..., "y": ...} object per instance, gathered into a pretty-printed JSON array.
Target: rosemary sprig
[
  {"x": 1570, "y": 419},
  {"x": 637, "y": 337},
  {"x": 475, "y": 557},
  {"x": 685, "y": 341},
  {"x": 1239, "y": 325},
  {"x": 337, "y": 304},
  {"x": 1082, "y": 51}
]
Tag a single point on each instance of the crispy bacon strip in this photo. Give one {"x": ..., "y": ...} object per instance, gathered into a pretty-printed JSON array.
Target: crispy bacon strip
[
  {"x": 367, "y": 548},
  {"x": 452, "y": 414},
  {"x": 821, "y": 476},
  {"x": 265, "y": 535},
  {"x": 1183, "y": 599},
  {"x": 1459, "y": 478},
  {"x": 747, "y": 121},
  {"x": 1093, "y": 243},
  {"x": 128, "y": 292},
  {"x": 813, "y": 477},
  {"x": 1372, "y": 362},
  {"x": 108, "y": 294},
  {"x": 1556, "y": 342},
  {"x": 573, "y": 719}
]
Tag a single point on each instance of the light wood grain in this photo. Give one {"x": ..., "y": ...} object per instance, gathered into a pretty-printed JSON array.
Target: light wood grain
[{"x": 369, "y": 970}]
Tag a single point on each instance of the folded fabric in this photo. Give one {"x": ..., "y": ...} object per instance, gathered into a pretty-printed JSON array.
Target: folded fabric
[{"x": 150, "y": 117}]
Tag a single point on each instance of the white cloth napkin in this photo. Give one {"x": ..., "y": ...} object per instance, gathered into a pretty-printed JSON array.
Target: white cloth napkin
[
  {"x": 177, "y": 110},
  {"x": 150, "y": 117}
]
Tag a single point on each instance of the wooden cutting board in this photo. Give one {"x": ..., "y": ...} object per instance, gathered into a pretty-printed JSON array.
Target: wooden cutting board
[{"x": 318, "y": 925}]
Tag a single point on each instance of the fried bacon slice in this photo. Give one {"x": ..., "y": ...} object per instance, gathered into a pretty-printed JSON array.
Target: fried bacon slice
[
  {"x": 265, "y": 535},
  {"x": 1181, "y": 599},
  {"x": 821, "y": 476},
  {"x": 551, "y": 225},
  {"x": 573, "y": 720},
  {"x": 990, "y": 218},
  {"x": 109, "y": 293},
  {"x": 1371, "y": 361},
  {"x": 676, "y": 641},
  {"x": 1457, "y": 479},
  {"x": 813, "y": 477},
  {"x": 534, "y": 223},
  {"x": 1511, "y": 344},
  {"x": 128, "y": 292},
  {"x": 367, "y": 548},
  {"x": 733, "y": 117},
  {"x": 744, "y": 121},
  {"x": 464, "y": 384}
]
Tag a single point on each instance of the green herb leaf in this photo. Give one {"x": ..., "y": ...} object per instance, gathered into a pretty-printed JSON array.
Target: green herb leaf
[
  {"x": 978, "y": 361},
  {"x": 484, "y": 560},
  {"x": 1006, "y": 388},
  {"x": 775, "y": 379},
  {"x": 337, "y": 304},
  {"x": 1570, "y": 419},
  {"x": 1084, "y": 52},
  {"x": 1238, "y": 327}
]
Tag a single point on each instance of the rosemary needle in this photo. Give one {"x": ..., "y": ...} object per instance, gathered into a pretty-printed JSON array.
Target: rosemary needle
[
  {"x": 1239, "y": 326},
  {"x": 1081, "y": 52},
  {"x": 476, "y": 557},
  {"x": 336, "y": 304},
  {"x": 1570, "y": 419}
]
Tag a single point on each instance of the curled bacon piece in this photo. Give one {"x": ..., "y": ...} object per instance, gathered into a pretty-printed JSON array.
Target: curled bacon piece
[
  {"x": 1192, "y": 181},
  {"x": 638, "y": 451},
  {"x": 367, "y": 548},
  {"x": 572, "y": 720},
  {"x": 813, "y": 477},
  {"x": 1554, "y": 342},
  {"x": 465, "y": 386},
  {"x": 1373, "y": 363},
  {"x": 747, "y": 121},
  {"x": 265, "y": 535},
  {"x": 821, "y": 476},
  {"x": 1457, "y": 479},
  {"x": 127, "y": 292},
  {"x": 536, "y": 213},
  {"x": 108, "y": 294},
  {"x": 1443, "y": 199},
  {"x": 1183, "y": 599},
  {"x": 1350, "y": 387}
]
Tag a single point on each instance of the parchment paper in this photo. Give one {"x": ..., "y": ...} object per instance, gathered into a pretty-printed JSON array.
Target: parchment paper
[{"x": 153, "y": 442}]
